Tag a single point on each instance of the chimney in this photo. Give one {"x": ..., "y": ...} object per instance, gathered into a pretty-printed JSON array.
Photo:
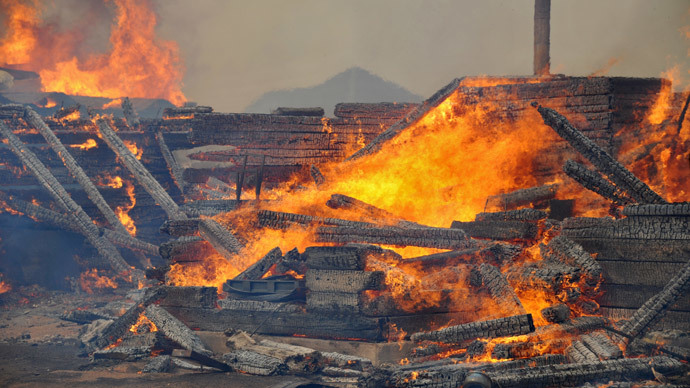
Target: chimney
[{"x": 542, "y": 27}]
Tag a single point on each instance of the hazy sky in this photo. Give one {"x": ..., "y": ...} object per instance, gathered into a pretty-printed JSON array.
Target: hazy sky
[{"x": 235, "y": 50}]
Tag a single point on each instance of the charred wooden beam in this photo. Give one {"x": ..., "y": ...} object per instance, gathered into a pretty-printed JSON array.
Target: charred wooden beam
[
  {"x": 545, "y": 275},
  {"x": 77, "y": 172},
  {"x": 346, "y": 360},
  {"x": 594, "y": 182},
  {"x": 258, "y": 269},
  {"x": 441, "y": 238},
  {"x": 498, "y": 230},
  {"x": 298, "y": 359},
  {"x": 131, "y": 115},
  {"x": 557, "y": 313},
  {"x": 513, "y": 215},
  {"x": 75, "y": 212},
  {"x": 209, "y": 207},
  {"x": 125, "y": 240},
  {"x": 348, "y": 257},
  {"x": 280, "y": 220},
  {"x": 501, "y": 327},
  {"x": 173, "y": 166},
  {"x": 562, "y": 249},
  {"x": 494, "y": 253},
  {"x": 188, "y": 248},
  {"x": 602, "y": 346},
  {"x": 542, "y": 32},
  {"x": 178, "y": 228},
  {"x": 523, "y": 197},
  {"x": 500, "y": 290},
  {"x": 316, "y": 175},
  {"x": 601, "y": 159},
  {"x": 222, "y": 240},
  {"x": 254, "y": 363},
  {"x": 140, "y": 172},
  {"x": 175, "y": 330},
  {"x": 344, "y": 280},
  {"x": 340, "y": 201},
  {"x": 189, "y": 296},
  {"x": 656, "y": 306},
  {"x": 668, "y": 209}
]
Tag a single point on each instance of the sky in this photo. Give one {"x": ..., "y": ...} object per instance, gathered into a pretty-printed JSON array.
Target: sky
[{"x": 236, "y": 50}]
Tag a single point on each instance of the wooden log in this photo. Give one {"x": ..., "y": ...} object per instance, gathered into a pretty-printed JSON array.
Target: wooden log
[
  {"x": 578, "y": 352},
  {"x": 344, "y": 280},
  {"x": 173, "y": 166},
  {"x": 131, "y": 116},
  {"x": 208, "y": 208},
  {"x": 159, "y": 364},
  {"x": 494, "y": 253},
  {"x": 501, "y": 327},
  {"x": 348, "y": 257},
  {"x": 222, "y": 240},
  {"x": 143, "y": 176},
  {"x": 177, "y": 112},
  {"x": 189, "y": 248},
  {"x": 601, "y": 345},
  {"x": 281, "y": 220},
  {"x": 340, "y": 201},
  {"x": 380, "y": 110},
  {"x": 544, "y": 275},
  {"x": 634, "y": 295},
  {"x": 422, "y": 237},
  {"x": 123, "y": 353},
  {"x": 219, "y": 185},
  {"x": 669, "y": 209},
  {"x": 176, "y": 330},
  {"x": 333, "y": 302},
  {"x": 118, "y": 328},
  {"x": 498, "y": 230},
  {"x": 500, "y": 290},
  {"x": 192, "y": 296},
  {"x": 557, "y": 313},
  {"x": 75, "y": 170},
  {"x": 75, "y": 212},
  {"x": 639, "y": 273},
  {"x": 563, "y": 250},
  {"x": 253, "y": 363},
  {"x": 574, "y": 374},
  {"x": 409, "y": 119},
  {"x": 298, "y": 359},
  {"x": 127, "y": 241},
  {"x": 655, "y": 307},
  {"x": 593, "y": 181},
  {"x": 513, "y": 215},
  {"x": 345, "y": 360},
  {"x": 284, "y": 111},
  {"x": 522, "y": 197},
  {"x": 602, "y": 160},
  {"x": 258, "y": 269},
  {"x": 178, "y": 228}
]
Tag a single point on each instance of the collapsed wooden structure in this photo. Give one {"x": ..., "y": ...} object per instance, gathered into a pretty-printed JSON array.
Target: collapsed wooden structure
[{"x": 200, "y": 154}]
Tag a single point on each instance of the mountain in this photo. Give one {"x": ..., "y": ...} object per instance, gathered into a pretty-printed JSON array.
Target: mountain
[{"x": 352, "y": 85}]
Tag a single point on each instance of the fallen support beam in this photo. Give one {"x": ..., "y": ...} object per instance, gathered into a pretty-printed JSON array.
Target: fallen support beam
[
  {"x": 348, "y": 281},
  {"x": 186, "y": 249},
  {"x": 501, "y": 327},
  {"x": 522, "y": 197},
  {"x": 593, "y": 181},
  {"x": 513, "y": 215},
  {"x": 75, "y": 170},
  {"x": 173, "y": 167},
  {"x": 258, "y": 269},
  {"x": 142, "y": 175},
  {"x": 178, "y": 228},
  {"x": 254, "y": 363},
  {"x": 655, "y": 307},
  {"x": 316, "y": 175},
  {"x": 498, "y": 230},
  {"x": 602, "y": 160},
  {"x": 222, "y": 240},
  {"x": 297, "y": 359},
  {"x": 72, "y": 209},
  {"x": 500, "y": 290},
  {"x": 125, "y": 240},
  {"x": 281, "y": 220},
  {"x": 175, "y": 330},
  {"x": 562, "y": 249},
  {"x": 340, "y": 201},
  {"x": 493, "y": 253},
  {"x": 423, "y": 237}
]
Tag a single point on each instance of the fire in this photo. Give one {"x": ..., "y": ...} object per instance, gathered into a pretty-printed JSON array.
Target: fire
[
  {"x": 143, "y": 325},
  {"x": 4, "y": 287},
  {"x": 73, "y": 116},
  {"x": 122, "y": 212},
  {"x": 212, "y": 272},
  {"x": 87, "y": 145},
  {"x": 132, "y": 147},
  {"x": 112, "y": 104},
  {"x": 138, "y": 64},
  {"x": 49, "y": 103},
  {"x": 114, "y": 182},
  {"x": 90, "y": 280}
]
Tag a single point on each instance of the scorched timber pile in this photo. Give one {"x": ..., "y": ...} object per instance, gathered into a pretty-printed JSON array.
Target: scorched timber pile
[{"x": 524, "y": 295}]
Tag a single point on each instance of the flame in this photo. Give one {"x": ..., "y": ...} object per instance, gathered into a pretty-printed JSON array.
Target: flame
[
  {"x": 4, "y": 287},
  {"x": 138, "y": 64},
  {"x": 122, "y": 212},
  {"x": 114, "y": 182},
  {"x": 143, "y": 325},
  {"x": 132, "y": 147},
  {"x": 50, "y": 103},
  {"x": 212, "y": 272},
  {"x": 90, "y": 280},
  {"x": 73, "y": 116},
  {"x": 112, "y": 104},
  {"x": 87, "y": 145}
]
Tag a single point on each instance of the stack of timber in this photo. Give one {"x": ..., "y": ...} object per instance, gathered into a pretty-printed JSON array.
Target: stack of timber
[{"x": 638, "y": 255}]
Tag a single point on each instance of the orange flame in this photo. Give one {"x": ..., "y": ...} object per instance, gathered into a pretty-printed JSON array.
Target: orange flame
[
  {"x": 143, "y": 324},
  {"x": 4, "y": 287},
  {"x": 87, "y": 145},
  {"x": 132, "y": 147},
  {"x": 90, "y": 280},
  {"x": 112, "y": 104},
  {"x": 114, "y": 182},
  {"x": 122, "y": 212},
  {"x": 138, "y": 64}
]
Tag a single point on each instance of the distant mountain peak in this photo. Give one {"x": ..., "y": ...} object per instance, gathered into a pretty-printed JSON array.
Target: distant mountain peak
[{"x": 352, "y": 85}]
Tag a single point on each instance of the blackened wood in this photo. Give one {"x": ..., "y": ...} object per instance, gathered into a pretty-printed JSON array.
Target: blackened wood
[
  {"x": 601, "y": 345},
  {"x": 409, "y": 119},
  {"x": 123, "y": 353},
  {"x": 298, "y": 359},
  {"x": 501, "y": 327},
  {"x": 72, "y": 209},
  {"x": 523, "y": 197},
  {"x": 513, "y": 215},
  {"x": 285, "y": 111},
  {"x": 208, "y": 207},
  {"x": 192, "y": 296},
  {"x": 557, "y": 313},
  {"x": 140, "y": 172},
  {"x": 258, "y": 269},
  {"x": 178, "y": 228},
  {"x": 594, "y": 182},
  {"x": 340, "y": 201},
  {"x": 75, "y": 170},
  {"x": 173, "y": 166},
  {"x": 498, "y": 230},
  {"x": 500, "y": 290},
  {"x": 346, "y": 360},
  {"x": 344, "y": 280},
  {"x": 640, "y": 273},
  {"x": 333, "y": 302},
  {"x": 656, "y": 306},
  {"x": 222, "y": 240},
  {"x": 127, "y": 241},
  {"x": 240, "y": 180},
  {"x": 441, "y": 238},
  {"x": 175, "y": 330},
  {"x": 186, "y": 111},
  {"x": 382, "y": 110},
  {"x": 254, "y": 363},
  {"x": 566, "y": 251},
  {"x": 131, "y": 115},
  {"x": 634, "y": 296},
  {"x": 346, "y": 257},
  {"x": 118, "y": 328},
  {"x": 681, "y": 118},
  {"x": 316, "y": 175},
  {"x": 260, "y": 178},
  {"x": 188, "y": 248},
  {"x": 494, "y": 253},
  {"x": 669, "y": 209},
  {"x": 601, "y": 159},
  {"x": 544, "y": 275},
  {"x": 281, "y": 220},
  {"x": 578, "y": 352},
  {"x": 201, "y": 358},
  {"x": 542, "y": 32}
]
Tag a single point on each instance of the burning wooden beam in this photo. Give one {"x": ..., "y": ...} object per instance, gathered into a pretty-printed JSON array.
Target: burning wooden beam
[
  {"x": 522, "y": 197},
  {"x": 222, "y": 240},
  {"x": 75, "y": 212},
  {"x": 494, "y": 253},
  {"x": 316, "y": 175},
  {"x": 498, "y": 230},
  {"x": 527, "y": 214},
  {"x": 601, "y": 159},
  {"x": 340, "y": 201},
  {"x": 501, "y": 327},
  {"x": 349, "y": 281},
  {"x": 178, "y": 228},
  {"x": 175, "y": 170},
  {"x": 258, "y": 269},
  {"x": 77, "y": 172},
  {"x": 429, "y": 237},
  {"x": 500, "y": 290},
  {"x": 140, "y": 172},
  {"x": 594, "y": 182},
  {"x": 186, "y": 248},
  {"x": 562, "y": 249},
  {"x": 280, "y": 220}
]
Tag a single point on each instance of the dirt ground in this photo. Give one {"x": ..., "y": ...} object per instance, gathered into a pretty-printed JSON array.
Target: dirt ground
[{"x": 39, "y": 349}]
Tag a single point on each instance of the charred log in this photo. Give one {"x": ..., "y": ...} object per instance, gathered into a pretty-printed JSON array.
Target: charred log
[
  {"x": 258, "y": 269},
  {"x": 493, "y": 253},
  {"x": 508, "y": 326},
  {"x": 563, "y": 250},
  {"x": 523, "y": 197},
  {"x": 178, "y": 228},
  {"x": 500, "y": 290},
  {"x": 424, "y": 237},
  {"x": 222, "y": 240},
  {"x": 349, "y": 281},
  {"x": 175, "y": 170},
  {"x": 316, "y": 175},
  {"x": 189, "y": 248},
  {"x": 594, "y": 182},
  {"x": 498, "y": 230},
  {"x": 557, "y": 313},
  {"x": 513, "y": 215}
]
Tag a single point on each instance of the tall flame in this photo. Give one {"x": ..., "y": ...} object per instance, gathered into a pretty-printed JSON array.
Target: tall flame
[{"x": 138, "y": 64}]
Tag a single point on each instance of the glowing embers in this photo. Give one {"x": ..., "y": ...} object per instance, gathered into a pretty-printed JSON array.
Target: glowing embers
[
  {"x": 91, "y": 281},
  {"x": 143, "y": 325},
  {"x": 85, "y": 146}
]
